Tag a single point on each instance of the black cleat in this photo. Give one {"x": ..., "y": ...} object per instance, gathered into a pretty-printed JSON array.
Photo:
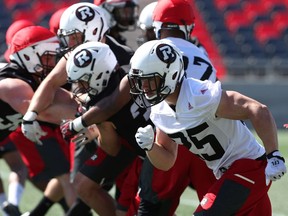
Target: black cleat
[{"x": 11, "y": 209}]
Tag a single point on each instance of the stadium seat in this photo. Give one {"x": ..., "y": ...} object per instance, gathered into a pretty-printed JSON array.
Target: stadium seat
[
  {"x": 273, "y": 3},
  {"x": 265, "y": 31},
  {"x": 280, "y": 20},
  {"x": 235, "y": 20},
  {"x": 13, "y": 4},
  {"x": 254, "y": 8},
  {"x": 24, "y": 14},
  {"x": 205, "y": 5},
  {"x": 43, "y": 8},
  {"x": 229, "y": 49},
  {"x": 244, "y": 35},
  {"x": 275, "y": 47},
  {"x": 224, "y": 5}
]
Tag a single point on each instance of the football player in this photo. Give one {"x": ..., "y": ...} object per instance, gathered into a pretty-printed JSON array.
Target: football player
[
  {"x": 209, "y": 122},
  {"x": 121, "y": 15},
  {"x": 33, "y": 55}
]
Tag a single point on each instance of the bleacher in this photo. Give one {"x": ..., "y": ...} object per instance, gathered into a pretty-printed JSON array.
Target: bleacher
[{"x": 250, "y": 36}]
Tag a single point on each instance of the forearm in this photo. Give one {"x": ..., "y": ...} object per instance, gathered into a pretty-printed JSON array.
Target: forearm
[
  {"x": 64, "y": 111},
  {"x": 45, "y": 94},
  {"x": 43, "y": 97},
  {"x": 95, "y": 115},
  {"x": 108, "y": 138},
  {"x": 161, "y": 158},
  {"x": 265, "y": 127},
  {"x": 108, "y": 106}
]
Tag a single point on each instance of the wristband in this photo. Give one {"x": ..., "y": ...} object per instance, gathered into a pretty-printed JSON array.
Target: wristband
[
  {"x": 78, "y": 124},
  {"x": 30, "y": 116},
  {"x": 275, "y": 154},
  {"x": 271, "y": 154}
]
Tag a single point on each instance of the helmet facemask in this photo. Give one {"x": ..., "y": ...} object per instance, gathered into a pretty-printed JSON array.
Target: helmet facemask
[
  {"x": 149, "y": 88},
  {"x": 48, "y": 61},
  {"x": 81, "y": 90},
  {"x": 70, "y": 39},
  {"x": 185, "y": 29},
  {"x": 39, "y": 59},
  {"x": 125, "y": 15}
]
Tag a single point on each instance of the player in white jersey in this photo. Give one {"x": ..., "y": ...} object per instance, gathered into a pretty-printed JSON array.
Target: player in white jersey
[
  {"x": 176, "y": 28},
  {"x": 209, "y": 122}
]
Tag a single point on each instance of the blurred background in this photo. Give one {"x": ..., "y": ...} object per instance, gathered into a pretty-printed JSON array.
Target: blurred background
[{"x": 247, "y": 41}]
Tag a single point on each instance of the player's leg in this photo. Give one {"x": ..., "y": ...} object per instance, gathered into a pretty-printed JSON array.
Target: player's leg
[
  {"x": 2, "y": 196},
  {"x": 95, "y": 174},
  {"x": 161, "y": 190},
  {"x": 201, "y": 177},
  {"x": 128, "y": 184},
  {"x": 44, "y": 163},
  {"x": 246, "y": 178},
  {"x": 17, "y": 176}
]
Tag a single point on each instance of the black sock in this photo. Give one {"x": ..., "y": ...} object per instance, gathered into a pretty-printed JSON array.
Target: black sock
[
  {"x": 79, "y": 208},
  {"x": 64, "y": 205},
  {"x": 42, "y": 207}
]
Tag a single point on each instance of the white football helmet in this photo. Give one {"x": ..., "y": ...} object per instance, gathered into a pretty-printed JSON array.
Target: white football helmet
[
  {"x": 174, "y": 15},
  {"x": 145, "y": 22},
  {"x": 161, "y": 65},
  {"x": 82, "y": 22},
  {"x": 34, "y": 48},
  {"x": 122, "y": 14},
  {"x": 92, "y": 62}
]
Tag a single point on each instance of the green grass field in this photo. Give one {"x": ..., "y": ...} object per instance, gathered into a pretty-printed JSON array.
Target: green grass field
[{"x": 278, "y": 192}]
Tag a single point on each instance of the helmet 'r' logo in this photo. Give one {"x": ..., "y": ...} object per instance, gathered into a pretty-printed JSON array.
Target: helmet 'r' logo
[
  {"x": 83, "y": 58},
  {"x": 85, "y": 13},
  {"x": 166, "y": 53}
]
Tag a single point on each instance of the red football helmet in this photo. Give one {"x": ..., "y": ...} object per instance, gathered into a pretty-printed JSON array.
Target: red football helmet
[
  {"x": 34, "y": 48},
  {"x": 13, "y": 28},
  {"x": 174, "y": 15}
]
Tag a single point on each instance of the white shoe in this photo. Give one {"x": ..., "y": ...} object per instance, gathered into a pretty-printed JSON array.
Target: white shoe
[{"x": 26, "y": 214}]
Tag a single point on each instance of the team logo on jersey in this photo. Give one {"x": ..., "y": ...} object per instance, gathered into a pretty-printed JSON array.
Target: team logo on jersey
[
  {"x": 83, "y": 58},
  {"x": 166, "y": 53},
  {"x": 203, "y": 91},
  {"x": 85, "y": 13},
  {"x": 208, "y": 200}
]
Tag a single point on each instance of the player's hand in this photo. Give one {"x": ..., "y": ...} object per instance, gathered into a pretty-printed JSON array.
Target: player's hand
[
  {"x": 67, "y": 130},
  {"x": 285, "y": 125},
  {"x": 85, "y": 136},
  {"x": 70, "y": 128},
  {"x": 80, "y": 110},
  {"x": 145, "y": 137},
  {"x": 31, "y": 128},
  {"x": 275, "y": 168}
]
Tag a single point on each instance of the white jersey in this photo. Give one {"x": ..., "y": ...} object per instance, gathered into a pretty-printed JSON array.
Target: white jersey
[
  {"x": 199, "y": 65},
  {"x": 218, "y": 141}
]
